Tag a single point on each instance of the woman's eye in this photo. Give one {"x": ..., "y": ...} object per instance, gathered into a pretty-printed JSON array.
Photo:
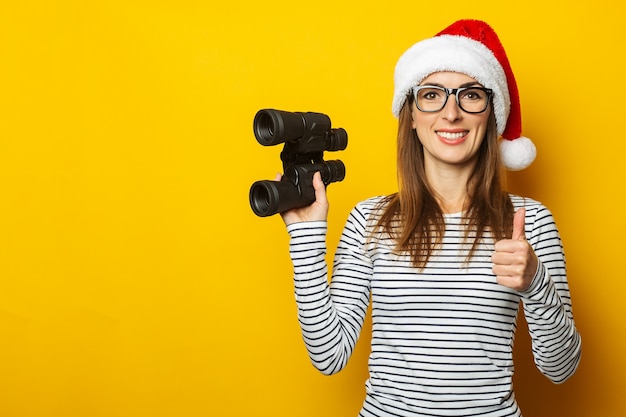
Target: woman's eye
[
  {"x": 471, "y": 95},
  {"x": 431, "y": 94}
]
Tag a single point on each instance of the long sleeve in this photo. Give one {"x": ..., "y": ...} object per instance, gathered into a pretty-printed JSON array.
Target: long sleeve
[
  {"x": 331, "y": 315},
  {"x": 556, "y": 343}
]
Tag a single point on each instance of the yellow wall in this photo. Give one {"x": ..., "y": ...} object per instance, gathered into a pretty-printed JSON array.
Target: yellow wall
[{"x": 134, "y": 278}]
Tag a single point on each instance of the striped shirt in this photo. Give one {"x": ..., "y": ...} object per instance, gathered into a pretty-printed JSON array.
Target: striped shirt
[{"x": 442, "y": 338}]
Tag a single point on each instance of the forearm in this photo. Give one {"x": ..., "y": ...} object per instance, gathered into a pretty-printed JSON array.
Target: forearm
[
  {"x": 556, "y": 342},
  {"x": 329, "y": 342}
]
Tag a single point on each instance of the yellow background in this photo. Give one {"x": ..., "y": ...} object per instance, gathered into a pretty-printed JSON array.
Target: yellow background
[{"x": 135, "y": 279}]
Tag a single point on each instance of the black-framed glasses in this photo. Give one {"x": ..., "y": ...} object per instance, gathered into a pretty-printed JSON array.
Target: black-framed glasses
[{"x": 432, "y": 98}]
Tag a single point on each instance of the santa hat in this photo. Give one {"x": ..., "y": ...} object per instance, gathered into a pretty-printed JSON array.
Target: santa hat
[{"x": 470, "y": 47}]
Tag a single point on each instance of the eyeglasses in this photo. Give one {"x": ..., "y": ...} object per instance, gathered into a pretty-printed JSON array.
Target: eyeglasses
[{"x": 432, "y": 98}]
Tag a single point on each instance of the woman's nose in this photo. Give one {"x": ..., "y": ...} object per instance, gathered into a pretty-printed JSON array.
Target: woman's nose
[{"x": 451, "y": 111}]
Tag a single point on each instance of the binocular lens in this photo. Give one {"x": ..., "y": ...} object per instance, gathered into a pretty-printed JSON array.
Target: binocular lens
[
  {"x": 270, "y": 197},
  {"x": 264, "y": 128},
  {"x": 260, "y": 200}
]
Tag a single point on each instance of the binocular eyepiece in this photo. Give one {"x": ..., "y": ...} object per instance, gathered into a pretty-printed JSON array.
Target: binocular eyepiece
[{"x": 305, "y": 136}]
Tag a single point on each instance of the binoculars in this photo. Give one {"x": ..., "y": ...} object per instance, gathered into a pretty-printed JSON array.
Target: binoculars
[{"x": 305, "y": 136}]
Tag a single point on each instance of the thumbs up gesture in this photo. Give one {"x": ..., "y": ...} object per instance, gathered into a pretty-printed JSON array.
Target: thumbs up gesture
[{"x": 514, "y": 261}]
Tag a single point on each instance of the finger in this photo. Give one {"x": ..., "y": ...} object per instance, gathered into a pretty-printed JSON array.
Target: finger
[
  {"x": 519, "y": 223},
  {"x": 278, "y": 176},
  {"x": 320, "y": 188}
]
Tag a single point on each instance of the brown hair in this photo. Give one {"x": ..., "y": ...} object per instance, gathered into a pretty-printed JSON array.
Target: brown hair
[{"x": 413, "y": 217}]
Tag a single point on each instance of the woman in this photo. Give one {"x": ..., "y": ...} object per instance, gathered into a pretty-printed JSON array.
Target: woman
[{"x": 446, "y": 261}]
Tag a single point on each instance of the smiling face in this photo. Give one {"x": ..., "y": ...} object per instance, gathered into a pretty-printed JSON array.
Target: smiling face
[{"x": 450, "y": 137}]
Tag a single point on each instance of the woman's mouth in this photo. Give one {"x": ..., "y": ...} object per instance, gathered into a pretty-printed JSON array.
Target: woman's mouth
[{"x": 452, "y": 136}]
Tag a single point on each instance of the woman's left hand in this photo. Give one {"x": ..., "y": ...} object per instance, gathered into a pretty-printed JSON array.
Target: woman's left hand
[{"x": 514, "y": 260}]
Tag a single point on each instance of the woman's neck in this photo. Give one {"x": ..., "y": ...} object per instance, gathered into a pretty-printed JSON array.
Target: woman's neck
[{"x": 450, "y": 187}]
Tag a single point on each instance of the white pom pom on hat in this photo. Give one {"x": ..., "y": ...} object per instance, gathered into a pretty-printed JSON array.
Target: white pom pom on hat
[{"x": 473, "y": 48}]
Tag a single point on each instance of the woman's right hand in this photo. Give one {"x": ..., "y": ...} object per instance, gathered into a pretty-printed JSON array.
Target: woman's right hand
[{"x": 318, "y": 211}]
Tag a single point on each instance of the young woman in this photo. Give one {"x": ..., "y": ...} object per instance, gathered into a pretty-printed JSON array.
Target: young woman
[{"x": 447, "y": 260}]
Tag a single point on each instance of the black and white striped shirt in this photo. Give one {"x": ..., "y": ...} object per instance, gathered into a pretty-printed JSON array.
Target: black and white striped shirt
[{"x": 442, "y": 338}]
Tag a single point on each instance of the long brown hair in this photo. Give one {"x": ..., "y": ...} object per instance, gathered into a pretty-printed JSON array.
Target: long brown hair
[{"x": 413, "y": 217}]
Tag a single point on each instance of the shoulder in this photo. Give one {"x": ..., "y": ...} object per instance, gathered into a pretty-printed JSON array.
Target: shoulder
[
  {"x": 537, "y": 214},
  {"x": 532, "y": 206},
  {"x": 372, "y": 203},
  {"x": 367, "y": 212},
  {"x": 372, "y": 207}
]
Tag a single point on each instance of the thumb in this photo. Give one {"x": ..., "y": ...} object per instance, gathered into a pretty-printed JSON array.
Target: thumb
[{"x": 519, "y": 221}]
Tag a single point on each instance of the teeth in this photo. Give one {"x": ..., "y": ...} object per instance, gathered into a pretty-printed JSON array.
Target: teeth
[{"x": 452, "y": 136}]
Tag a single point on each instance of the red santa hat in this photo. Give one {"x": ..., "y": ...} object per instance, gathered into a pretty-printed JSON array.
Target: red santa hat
[{"x": 470, "y": 47}]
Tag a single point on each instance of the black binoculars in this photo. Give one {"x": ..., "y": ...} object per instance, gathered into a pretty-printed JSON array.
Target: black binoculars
[{"x": 305, "y": 136}]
